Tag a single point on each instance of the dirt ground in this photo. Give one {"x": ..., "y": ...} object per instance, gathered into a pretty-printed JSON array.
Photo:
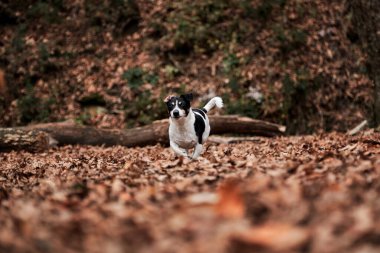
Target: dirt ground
[{"x": 287, "y": 194}]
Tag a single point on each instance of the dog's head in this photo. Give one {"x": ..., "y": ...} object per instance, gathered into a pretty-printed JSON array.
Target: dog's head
[{"x": 179, "y": 107}]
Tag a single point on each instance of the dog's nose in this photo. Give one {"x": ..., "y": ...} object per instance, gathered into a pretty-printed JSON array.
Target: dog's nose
[{"x": 176, "y": 113}]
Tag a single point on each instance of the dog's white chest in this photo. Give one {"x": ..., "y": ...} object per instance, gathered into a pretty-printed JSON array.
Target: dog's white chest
[
  {"x": 183, "y": 138},
  {"x": 186, "y": 142}
]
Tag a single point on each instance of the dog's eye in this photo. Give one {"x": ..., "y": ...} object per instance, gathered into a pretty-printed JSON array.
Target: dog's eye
[
  {"x": 172, "y": 103},
  {"x": 180, "y": 103}
]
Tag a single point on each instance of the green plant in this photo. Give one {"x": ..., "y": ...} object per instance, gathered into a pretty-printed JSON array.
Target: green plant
[
  {"x": 230, "y": 63},
  {"x": 288, "y": 91},
  {"x": 45, "y": 63},
  {"x": 48, "y": 10},
  {"x": 83, "y": 119},
  {"x": 134, "y": 76},
  {"x": 144, "y": 109},
  {"x": 32, "y": 108},
  {"x": 266, "y": 7},
  {"x": 201, "y": 26},
  {"x": 242, "y": 106},
  {"x": 122, "y": 15},
  {"x": 296, "y": 91},
  {"x": 289, "y": 40},
  {"x": 18, "y": 41},
  {"x": 137, "y": 76},
  {"x": 151, "y": 78},
  {"x": 171, "y": 71}
]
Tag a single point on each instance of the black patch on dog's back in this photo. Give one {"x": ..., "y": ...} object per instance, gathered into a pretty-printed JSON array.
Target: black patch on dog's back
[
  {"x": 199, "y": 126},
  {"x": 201, "y": 112}
]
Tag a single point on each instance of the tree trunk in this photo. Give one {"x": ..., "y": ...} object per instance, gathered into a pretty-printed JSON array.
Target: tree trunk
[
  {"x": 18, "y": 139},
  {"x": 366, "y": 22},
  {"x": 157, "y": 132}
]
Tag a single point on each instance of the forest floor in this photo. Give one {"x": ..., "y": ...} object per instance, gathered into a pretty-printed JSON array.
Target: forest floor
[{"x": 317, "y": 193}]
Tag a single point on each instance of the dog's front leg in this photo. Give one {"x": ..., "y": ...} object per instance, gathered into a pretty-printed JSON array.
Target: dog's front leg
[
  {"x": 179, "y": 151},
  {"x": 197, "y": 151}
]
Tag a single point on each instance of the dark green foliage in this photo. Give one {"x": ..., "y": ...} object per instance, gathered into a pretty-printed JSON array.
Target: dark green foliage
[
  {"x": 294, "y": 92},
  {"x": 289, "y": 88},
  {"x": 122, "y": 15},
  {"x": 46, "y": 65},
  {"x": 48, "y": 10},
  {"x": 242, "y": 106},
  {"x": 43, "y": 52},
  {"x": 31, "y": 108},
  {"x": 265, "y": 8},
  {"x": 93, "y": 99},
  {"x": 297, "y": 103},
  {"x": 144, "y": 109},
  {"x": 137, "y": 76},
  {"x": 83, "y": 119},
  {"x": 18, "y": 41},
  {"x": 151, "y": 78},
  {"x": 290, "y": 40},
  {"x": 231, "y": 70},
  {"x": 230, "y": 63},
  {"x": 134, "y": 76},
  {"x": 200, "y": 26}
]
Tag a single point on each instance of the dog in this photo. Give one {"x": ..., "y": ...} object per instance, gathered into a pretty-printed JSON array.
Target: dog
[{"x": 189, "y": 128}]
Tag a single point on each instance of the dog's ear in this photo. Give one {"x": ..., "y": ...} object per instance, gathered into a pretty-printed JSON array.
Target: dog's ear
[
  {"x": 168, "y": 98},
  {"x": 188, "y": 96}
]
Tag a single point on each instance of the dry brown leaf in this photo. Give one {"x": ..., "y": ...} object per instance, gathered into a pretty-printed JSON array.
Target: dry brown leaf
[
  {"x": 230, "y": 204},
  {"x": 275, "y": 236}
]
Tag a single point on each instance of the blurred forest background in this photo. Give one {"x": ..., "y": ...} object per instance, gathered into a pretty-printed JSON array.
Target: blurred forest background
[{"x": 111, "y": 63}]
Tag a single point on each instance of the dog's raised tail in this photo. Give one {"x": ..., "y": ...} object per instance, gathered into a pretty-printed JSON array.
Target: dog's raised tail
[{"x": 216, "y": 101}]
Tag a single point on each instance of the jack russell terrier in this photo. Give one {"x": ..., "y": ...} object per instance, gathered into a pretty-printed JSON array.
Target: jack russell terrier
[{"x": 189, "y": 128}]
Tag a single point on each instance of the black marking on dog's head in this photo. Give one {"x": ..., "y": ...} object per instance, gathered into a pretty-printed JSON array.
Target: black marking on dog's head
[
  {"x": 179, "y": 104},
  {"x": 184, "y": 102},
  {"x": 170, "y": 102},
  {"x": 187, "y": 97}
]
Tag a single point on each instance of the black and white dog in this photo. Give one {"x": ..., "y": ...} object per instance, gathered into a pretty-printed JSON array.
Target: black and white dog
[{"x": 189, "y": 128}]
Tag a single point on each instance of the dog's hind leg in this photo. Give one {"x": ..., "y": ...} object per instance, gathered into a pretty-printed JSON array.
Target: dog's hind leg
[
  {"x": 197, "y": 151},
  {"x": 179, "y": 151}
]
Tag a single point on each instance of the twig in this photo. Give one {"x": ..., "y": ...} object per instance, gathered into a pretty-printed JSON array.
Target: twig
[{"x": 358, "y": 128}]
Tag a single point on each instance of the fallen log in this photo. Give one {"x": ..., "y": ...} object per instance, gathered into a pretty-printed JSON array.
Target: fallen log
[
  {"x": 18, "y": 139},
  {"x": 231, "y": 124},
  {"x": 157, "y": 132}
]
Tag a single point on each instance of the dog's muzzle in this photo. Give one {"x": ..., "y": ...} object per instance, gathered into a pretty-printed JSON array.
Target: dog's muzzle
[{"x": 176, "y": 114}]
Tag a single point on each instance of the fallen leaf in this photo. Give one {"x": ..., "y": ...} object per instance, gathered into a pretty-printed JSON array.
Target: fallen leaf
[
  {"x": 230, "y": 204},
  {"x": 274, "y": 236}
]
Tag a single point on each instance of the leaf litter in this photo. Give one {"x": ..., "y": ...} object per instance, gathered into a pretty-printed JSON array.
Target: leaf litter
[{"x": 317, "y": 193}]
